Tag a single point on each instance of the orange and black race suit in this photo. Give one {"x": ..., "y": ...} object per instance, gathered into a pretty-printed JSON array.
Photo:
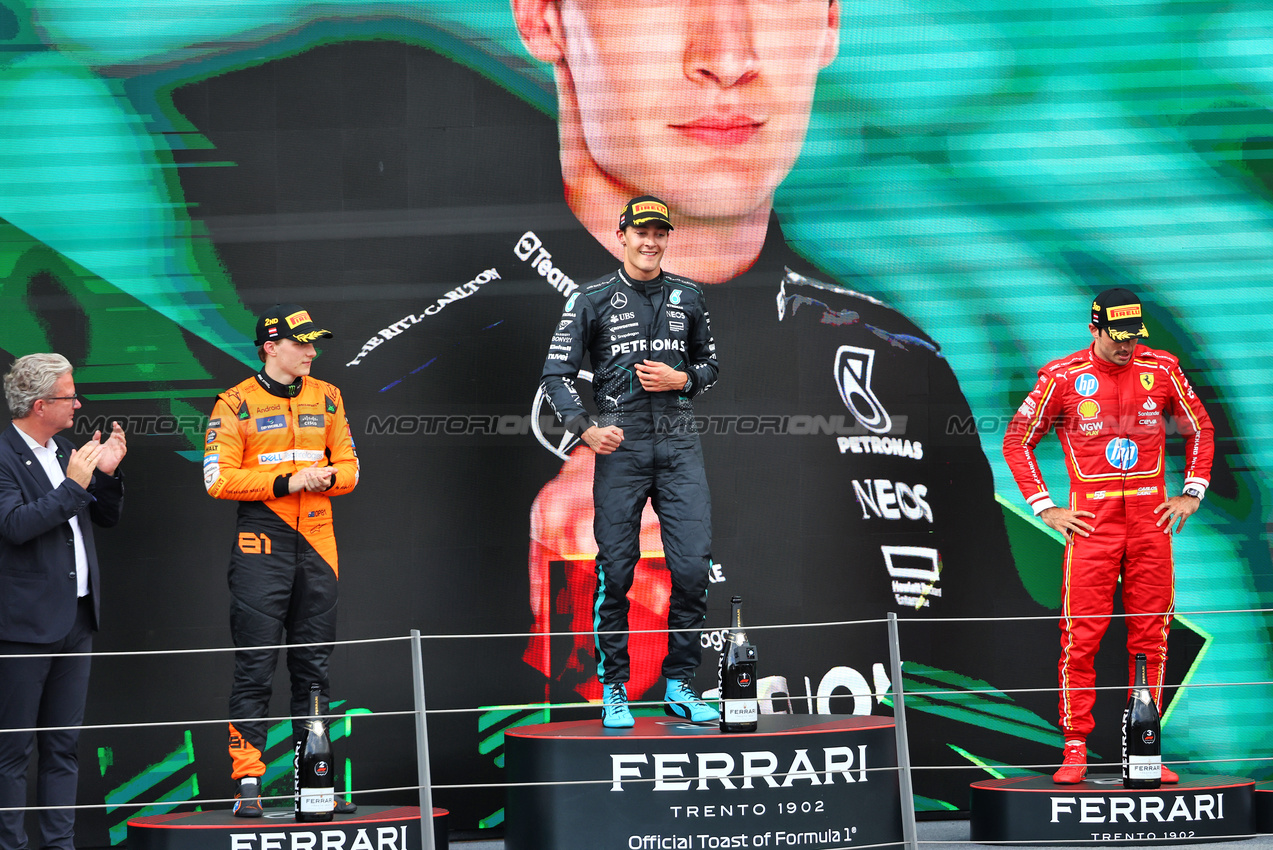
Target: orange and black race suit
[
  {"x": 283, "y": 567},
  {"x": 1112, "y": 422}
]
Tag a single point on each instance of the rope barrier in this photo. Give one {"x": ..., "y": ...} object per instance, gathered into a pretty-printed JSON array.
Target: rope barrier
[
  {"x": 590, "y": 633},
  {"x": 896, "y": 693}
]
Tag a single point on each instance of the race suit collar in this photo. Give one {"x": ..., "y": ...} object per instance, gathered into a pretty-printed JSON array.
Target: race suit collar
[
  {"x": 643, "y": 286},
  {"x": 274, "y": 388},
  {"x": 1105, "y": 365}
]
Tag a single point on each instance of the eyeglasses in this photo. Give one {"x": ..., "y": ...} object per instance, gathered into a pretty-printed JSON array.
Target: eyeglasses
[{"x": 63, "y": 397}]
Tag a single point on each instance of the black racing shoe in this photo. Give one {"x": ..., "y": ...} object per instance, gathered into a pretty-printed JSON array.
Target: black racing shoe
[
  {"x": 247, "y": 800},
  {"x": 345, "y": 807}
]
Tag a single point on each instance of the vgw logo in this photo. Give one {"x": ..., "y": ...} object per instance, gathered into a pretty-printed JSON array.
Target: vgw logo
[{"x": 853, "y": 367}]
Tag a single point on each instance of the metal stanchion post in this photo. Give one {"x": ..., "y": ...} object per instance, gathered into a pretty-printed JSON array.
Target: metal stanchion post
[
  {"x": 422, "y": 744},
  {"x": 903, "y": 748}
]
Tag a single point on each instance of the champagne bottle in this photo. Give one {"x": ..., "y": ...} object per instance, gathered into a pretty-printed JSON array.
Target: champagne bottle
[
  {"x": 312, "y": 767},
  {"x": 737, "y": 673},
  {"x": 1142, "y": 749}
]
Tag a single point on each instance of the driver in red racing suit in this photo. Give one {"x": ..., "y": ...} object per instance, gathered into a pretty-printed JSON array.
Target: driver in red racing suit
[{"x": 1110, "y": 406}]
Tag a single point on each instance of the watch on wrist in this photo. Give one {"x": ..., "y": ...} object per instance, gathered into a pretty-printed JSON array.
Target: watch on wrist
[{"x": 1195, "y": 491}]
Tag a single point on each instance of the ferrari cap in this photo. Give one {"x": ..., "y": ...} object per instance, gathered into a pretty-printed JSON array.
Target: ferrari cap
[{"x": 1118, "y": 313}]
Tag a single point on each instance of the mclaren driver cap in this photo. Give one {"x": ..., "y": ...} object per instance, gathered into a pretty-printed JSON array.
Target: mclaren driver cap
[{"x": 288, "y": 321}]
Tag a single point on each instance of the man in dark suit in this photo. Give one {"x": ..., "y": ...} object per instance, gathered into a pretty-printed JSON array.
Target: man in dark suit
[{"x": 49, "y": 589}]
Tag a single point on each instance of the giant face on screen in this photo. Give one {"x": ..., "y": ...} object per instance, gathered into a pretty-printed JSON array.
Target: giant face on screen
[
  {"x": 977, "y": 168},
  {"x": 704, "y": 104}
]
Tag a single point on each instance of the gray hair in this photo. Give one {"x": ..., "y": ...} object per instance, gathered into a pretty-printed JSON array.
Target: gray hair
[{"x": 32, "y": 377}]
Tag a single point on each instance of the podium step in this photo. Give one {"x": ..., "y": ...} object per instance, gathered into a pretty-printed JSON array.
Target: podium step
[
  {"x": 809, "y": 780},
  {"x": 370, "y": 828},
  {"x": 1264, "y": 806},
  {"x": 1101, "y": 811}
]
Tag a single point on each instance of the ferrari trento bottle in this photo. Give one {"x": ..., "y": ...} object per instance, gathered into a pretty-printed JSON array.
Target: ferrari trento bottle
[
  {"x": 1142, "y": 749},
  {"x": 315, "y": 778},
  {"x": 739, "y": 709}
]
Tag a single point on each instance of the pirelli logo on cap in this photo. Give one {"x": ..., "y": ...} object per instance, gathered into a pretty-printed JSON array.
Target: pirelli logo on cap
[
  {"x": 300, "y": 317},
  {"x": 649, "y": 207},
  {"x": 1122, "y": 314}
]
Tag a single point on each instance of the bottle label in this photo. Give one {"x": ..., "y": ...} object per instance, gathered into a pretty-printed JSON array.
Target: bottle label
[
  {"x": 741, "y": 711},
  {"x": 1144, "y": 767},
  {"x": 318, "y": 800}
]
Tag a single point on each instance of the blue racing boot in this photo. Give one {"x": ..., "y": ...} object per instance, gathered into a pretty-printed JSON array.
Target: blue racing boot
[
  {"x": 683, "y": 701},
  {"x": 614, "y": 706}
]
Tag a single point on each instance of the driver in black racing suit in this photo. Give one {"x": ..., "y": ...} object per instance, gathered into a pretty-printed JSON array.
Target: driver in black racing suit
[{"x": 649, "y": 339}]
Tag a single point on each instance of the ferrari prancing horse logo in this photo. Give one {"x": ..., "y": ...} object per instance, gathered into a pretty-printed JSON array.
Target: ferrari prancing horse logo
[{"x": 1147, "y": 380}]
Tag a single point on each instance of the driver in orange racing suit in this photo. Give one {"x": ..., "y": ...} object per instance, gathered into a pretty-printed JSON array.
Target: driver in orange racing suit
[
  {"x": 1110, "y": 405},
  {"x": 279, "y": 444}
]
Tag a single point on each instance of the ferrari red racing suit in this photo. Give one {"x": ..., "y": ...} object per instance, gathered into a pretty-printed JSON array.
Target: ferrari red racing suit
[
  {"x": 1112, "y": 422},
  {"x": 283, "y": 566}
]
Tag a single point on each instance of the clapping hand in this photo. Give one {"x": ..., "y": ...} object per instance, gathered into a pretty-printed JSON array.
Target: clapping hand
[
  {"x": 82, "y": 462},
  {"x": 113, "y": 450}
]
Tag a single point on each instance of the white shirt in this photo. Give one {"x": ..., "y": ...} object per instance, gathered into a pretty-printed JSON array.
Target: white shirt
[{"x": 47, "y": 455}]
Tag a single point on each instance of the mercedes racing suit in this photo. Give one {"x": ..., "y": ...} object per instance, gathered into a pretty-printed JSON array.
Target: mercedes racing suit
[
  {"x": 620, "y": 322},
  {"x": 283, "y": 567},
  {"x": 1112, "y": 422}
]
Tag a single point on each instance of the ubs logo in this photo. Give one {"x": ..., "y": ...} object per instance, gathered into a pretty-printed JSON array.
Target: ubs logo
[{"x": 853, "y": 367}]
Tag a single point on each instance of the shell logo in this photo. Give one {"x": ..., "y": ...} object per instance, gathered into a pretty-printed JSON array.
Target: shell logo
[{"x": 1089, "y": 409}]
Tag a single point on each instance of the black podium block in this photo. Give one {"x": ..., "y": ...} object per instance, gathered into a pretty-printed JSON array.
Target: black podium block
[
  {"x": 370, "y": 828},
  {"x": 1264, "y": 807},
  {"x": 1100, "y": 810},
  {"x": 800, "y": 780}
]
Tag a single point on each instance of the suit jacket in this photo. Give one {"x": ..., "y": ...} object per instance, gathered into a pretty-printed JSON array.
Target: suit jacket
[{"x": 37, "y": 552}]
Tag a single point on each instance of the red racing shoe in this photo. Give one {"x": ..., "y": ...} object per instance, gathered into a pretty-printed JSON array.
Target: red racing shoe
[
  {"x": 1074, "y": 764},
  {"x": 1169, "y": 776}
]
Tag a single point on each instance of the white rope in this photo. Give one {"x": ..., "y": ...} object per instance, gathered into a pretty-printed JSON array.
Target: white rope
[
  {"x": 559, "y": 707},
  {"x": 590, "y": 633}
]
